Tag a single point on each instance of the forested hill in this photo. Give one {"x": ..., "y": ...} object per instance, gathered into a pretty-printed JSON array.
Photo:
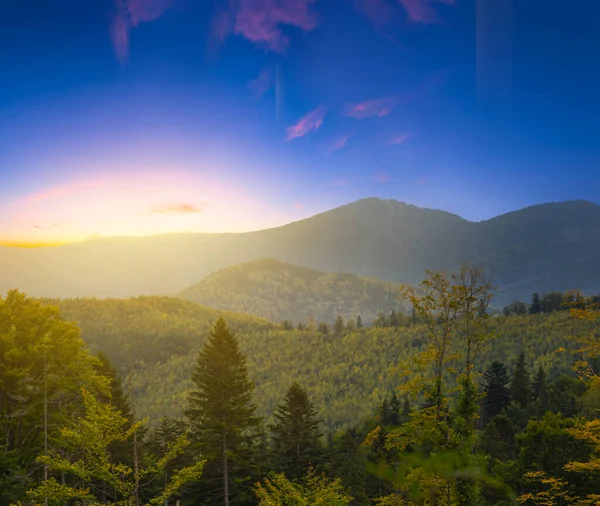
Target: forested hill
[
  {"x": 538, "y": 249},
  {"x": 281, "y": 292},
  {"x": 347, "y": 373}
]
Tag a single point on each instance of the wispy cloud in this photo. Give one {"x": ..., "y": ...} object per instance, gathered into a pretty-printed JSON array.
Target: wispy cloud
[
  {"x": 129, "y": 14},
  {"x": 379, "y": 12},
  {"x": 339, "y": 143},
  {"x": 400, "y": 139},
  {"x": 312, "y": 121},
  {"x": 299, "y": 206},
  {"x": 263, "y": 83},
  {"x": 374, "y": 107},
  {"x": 38, "y": 227},
  {"x": 423, "y": 11},
  {"x": 260, "y": 21},
  {"x": 177, "y": 209}
]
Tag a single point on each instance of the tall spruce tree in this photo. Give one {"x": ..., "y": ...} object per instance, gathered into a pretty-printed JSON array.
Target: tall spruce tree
[
  {"x": 541, "y": 392},
  {"x": 497, "y": 395},
  {"x": 221, "y": 415},
  {"x": 520, "y": 387},
  {"x": 296, "y": 436}
]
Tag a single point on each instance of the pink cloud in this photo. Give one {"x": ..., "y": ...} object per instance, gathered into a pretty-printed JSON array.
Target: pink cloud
[
  {"x": 338, "y": 143},
  {"x": 400, "y": 139},
  {"x": 423, "y": 11},
  {"x": 299, "y": 207},
  {"x": 260, "y": 21},
  {"x": 130, "y": 13},
  {"x": 177, "y": 209},
  {"x": 379, "y": 12},
  {"x": 374, "y": 107},
  {"x": 312, "y": 121},
  {"x": 381, "y": 177},
  {"x": 263, "y": 83}
]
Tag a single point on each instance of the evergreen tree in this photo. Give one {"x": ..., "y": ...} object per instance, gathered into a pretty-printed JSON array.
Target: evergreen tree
[
  {"x": 540, "y": 392},
  {"x": 393, "y": 321},
  {"x": 536, "y": 305},
  {"x": 359, "y": 323},
  {"x": 296, "y": 437},
  {"x": 497, "y": 394},
  {"x": 221, "y": 415},
  {"x": 338, "y": 326},
  {"x": 323, "y": 328},
  {"x": 520, "y": 387}
]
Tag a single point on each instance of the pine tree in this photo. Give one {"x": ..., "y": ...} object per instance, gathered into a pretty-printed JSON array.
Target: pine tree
[
  {"x": 296, "y": 437},
  {"x": 359, "y": 323},
  {"x": 497, "y": 394},
  {"x": 536, "y": 305},
  {"x": 338, "y": 326},
  {"x": 221, "y": 415},
  {"x": 520, "y": 387},
  {"x": 540, "y": 392}
]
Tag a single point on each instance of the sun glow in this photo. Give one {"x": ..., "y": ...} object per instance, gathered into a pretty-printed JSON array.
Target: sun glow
[{"x": 131, "y": 204}]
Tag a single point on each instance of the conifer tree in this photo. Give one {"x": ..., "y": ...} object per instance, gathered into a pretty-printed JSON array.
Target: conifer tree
[
  {"x": 536, "y": 305},
  {"x": 520, "y": 387},
  {"x": 497, "y": 394},
  {"x": 359, "y": 323},
  {"x": 338, "y": 326},
  {"x": 296, "y": 436},
  {"x": 540, "y": 392},
  {"x": 221, "y": 415}
]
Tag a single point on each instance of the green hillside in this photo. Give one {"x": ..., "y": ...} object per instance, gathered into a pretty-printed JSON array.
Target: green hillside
[
  {"x": 157, "y": 339},
  {"x": 280, "y": 291}
]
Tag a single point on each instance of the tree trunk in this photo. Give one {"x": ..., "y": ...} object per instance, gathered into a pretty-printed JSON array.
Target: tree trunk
[{"x": 225, "y": 474}]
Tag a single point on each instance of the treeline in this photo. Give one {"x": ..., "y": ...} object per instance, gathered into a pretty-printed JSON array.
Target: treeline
[
  {"x": 551, "y": 302},
  {"x": 152, "y": 341},
  {"x": 447, "y": 436}
]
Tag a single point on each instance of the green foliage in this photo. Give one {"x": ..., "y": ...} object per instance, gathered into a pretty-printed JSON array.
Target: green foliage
[
  {"x": 520, "y": 387},
  {"x": 314, "y": 490},
  {"x": 280, "y": 291},
  {"x": 221, "y": 414},
  {"x": 345, "y": 377},
  {"x": 296, "y": 435}
]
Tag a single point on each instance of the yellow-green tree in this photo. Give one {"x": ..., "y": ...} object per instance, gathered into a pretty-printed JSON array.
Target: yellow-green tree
[{"x": 83, "y": 455}]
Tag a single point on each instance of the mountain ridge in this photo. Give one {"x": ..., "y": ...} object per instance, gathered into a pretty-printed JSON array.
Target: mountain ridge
[{"x": 538, "y": 248}]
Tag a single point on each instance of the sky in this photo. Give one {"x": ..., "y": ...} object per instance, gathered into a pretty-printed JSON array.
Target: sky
[{"x": 138, "y": 117}]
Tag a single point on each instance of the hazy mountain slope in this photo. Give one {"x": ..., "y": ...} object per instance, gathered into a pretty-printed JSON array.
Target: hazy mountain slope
[
  {"x": 281, "y": 291},
  {"x": 551, "y": 246},
  {"x": 157, "y": 339}
]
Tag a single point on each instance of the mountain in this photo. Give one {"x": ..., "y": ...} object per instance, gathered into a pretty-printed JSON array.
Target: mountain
[
  {"x": 541, "y": 248},
  {"x": 281, "y": 291}
]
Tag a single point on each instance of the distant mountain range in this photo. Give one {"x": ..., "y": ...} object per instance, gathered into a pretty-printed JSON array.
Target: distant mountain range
[{"x": 546, "y": 247}]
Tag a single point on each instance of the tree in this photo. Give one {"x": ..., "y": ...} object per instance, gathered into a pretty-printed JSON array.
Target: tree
[
  {"x": 221, "y": 412},
  {"x": 315, "y": 490},
  {"x": 359, "y": 323},
  {"x": 516, "y": 307},
  {"x": 338, "y": 326},
  {"x": 296, "y": 436},
  {"x": 552, "y": 302},
  {"x": 540, "y": 392},
  {"x": 520, "y": 387},
  {"x": 84, "y": 453},
  {"x": 323, "y": 328},
  {"x": 536, "y": 306},
  {"x": 435, "y": 302},
  {"x": 497, "y": 395}
]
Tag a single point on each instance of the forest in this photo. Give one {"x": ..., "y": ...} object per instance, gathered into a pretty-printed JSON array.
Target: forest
[{"x": 157, "y": 400}]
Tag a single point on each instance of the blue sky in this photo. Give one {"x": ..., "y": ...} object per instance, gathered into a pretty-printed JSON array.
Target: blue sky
[{"x": 151, "y": 116}]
